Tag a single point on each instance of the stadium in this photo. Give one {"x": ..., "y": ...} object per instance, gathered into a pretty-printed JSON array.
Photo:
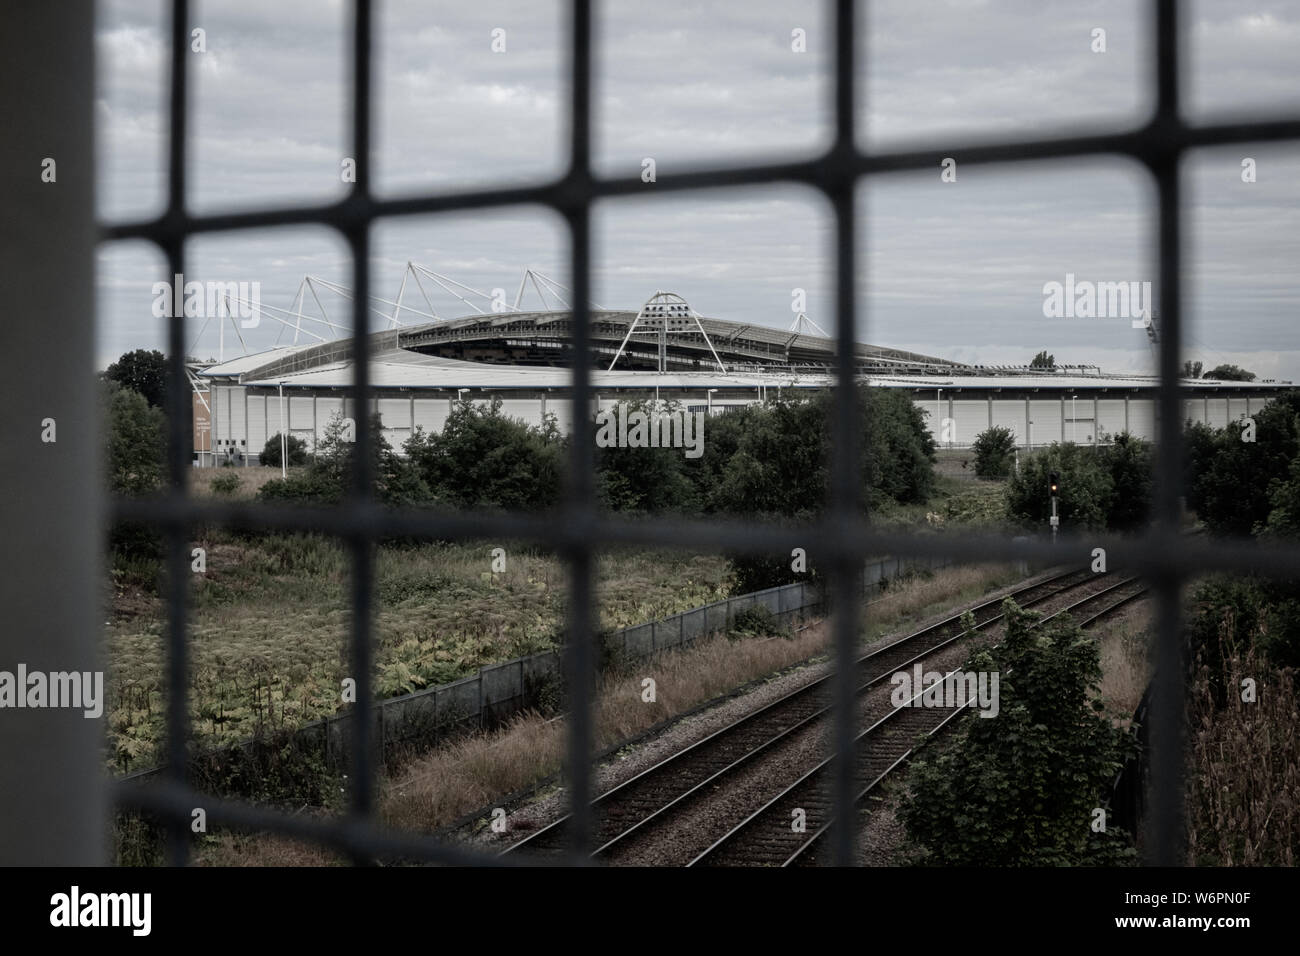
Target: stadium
[{"x": 665, "y": 351}]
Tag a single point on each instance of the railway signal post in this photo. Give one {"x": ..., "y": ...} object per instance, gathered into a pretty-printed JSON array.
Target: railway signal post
[{"x": 1053, "y": 486}]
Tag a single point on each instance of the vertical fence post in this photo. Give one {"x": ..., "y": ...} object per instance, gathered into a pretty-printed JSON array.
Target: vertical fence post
[{"x": 52, "y": 799}]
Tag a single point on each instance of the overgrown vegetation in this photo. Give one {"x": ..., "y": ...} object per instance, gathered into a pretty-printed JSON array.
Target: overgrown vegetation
[
  {"x": 269, "y": 625},
  {"x": 758, "y": 621},
  {"x": 226, "y": 483},
  {"x": 1020, "y": 789},
  {"x": 1243, "y": 794},
  {"x": 1244, "y": 638}
]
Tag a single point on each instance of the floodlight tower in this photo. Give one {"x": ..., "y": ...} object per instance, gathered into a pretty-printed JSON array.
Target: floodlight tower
[{"x": 661, "y": 309}]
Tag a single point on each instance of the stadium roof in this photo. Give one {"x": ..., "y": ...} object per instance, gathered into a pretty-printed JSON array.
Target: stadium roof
[{"x": 531, "y": 350}]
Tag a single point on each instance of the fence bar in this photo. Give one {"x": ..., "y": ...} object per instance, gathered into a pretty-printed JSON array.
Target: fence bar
[
  {"x": 578, "y": 651},
  {"x": 51, "y": 240},
  {"x": 1167, "y": 757},
  {"x": 844, "y": 477},
  {"x": 178, "y": 456},
  {"x": 52, "y": 809}
]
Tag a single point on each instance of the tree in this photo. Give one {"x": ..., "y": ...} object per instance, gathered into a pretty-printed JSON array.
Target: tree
[
  {"x": 1129, "y": 461},
  {"x": 144, "y": 371},
  {"x": 328, "y": 477},
  {"x": 296, "y": 447},
  {"x": 1232, "y": 484},
  {"x": 136, "y": 458},
  {"x": 1043, "y": 360},
  {"x": 484, "y": 459},
  {"x": 135, "y": 463},
  {"x": 1192, "y": 369},
  {"x": 778, "y": 459},
  {"x": 995, "y": 450},
  {"x": 1020, "y": 789},
  {"x": 1102, "y": 487},
  {"x": 1085, "y": 492},
  {"x": 1230, "y": 373},
  {"x": 645, "y": 480},
  {"x": 771, "y": 462}
]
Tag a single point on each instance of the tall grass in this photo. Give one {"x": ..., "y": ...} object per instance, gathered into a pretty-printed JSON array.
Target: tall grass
[
  {"x": 270, "y": 617},
  {"x": 1243, "y": 794},
  {"x": 434, "y": 789},
  {"x": 455, "y": 780}
]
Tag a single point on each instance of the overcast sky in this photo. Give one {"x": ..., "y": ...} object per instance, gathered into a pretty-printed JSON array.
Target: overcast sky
[{"x": 955, "y": 269}]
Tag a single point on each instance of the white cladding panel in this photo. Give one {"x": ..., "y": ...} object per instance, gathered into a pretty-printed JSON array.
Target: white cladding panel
[
  {"x": 327, "y": 408},
  {"x": 969, "y": 418},
  {"x": 1046, "y": 418},
  {"x": 396, "y": 438},
  {"x": 300, "y": 413},
  {"x": 220, "y": 413},
  {"x": 395, "y": 412},
  {"x": 257, "y": 433},
  {"x": 235, "y": 427},
  {"x": 1142, "y": 418},
  {"x": 528, "y": 410},
  {"x": 431, "y": 414},
  {"x": 1110, "y": 416},
  {"x": 1080, "y": 427},
  {"x": 1193, "y": 410},
  {"x": 1011, "y": 415},
  {"x": 1218, "y": 412},
  {"x": 1237, "y": 408},
  {"x": 562, "y": 409},
  {"x": 273, "y": 414}
]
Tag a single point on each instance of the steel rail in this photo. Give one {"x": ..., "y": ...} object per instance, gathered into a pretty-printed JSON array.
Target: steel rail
[
  {"x": 721, "y": 737},
  {"x": 820, "y": 769}
]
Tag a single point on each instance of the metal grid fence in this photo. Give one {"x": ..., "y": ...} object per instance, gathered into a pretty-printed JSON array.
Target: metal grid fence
[{"x": 577, "y": 529}]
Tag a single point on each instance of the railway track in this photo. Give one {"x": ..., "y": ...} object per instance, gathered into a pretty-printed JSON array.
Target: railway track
[
  {"x": 766, "y": 837},
  {"x": 658, "y": 791}
]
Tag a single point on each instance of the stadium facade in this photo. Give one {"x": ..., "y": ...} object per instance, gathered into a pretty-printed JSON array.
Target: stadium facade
[{"x": 667, "y": 351}]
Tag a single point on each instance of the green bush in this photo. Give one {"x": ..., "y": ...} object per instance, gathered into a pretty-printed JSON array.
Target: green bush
[
  {"x": 646, "y": 480},
  {"x": 136, "y": 443},
  {"x": 328, "y": 477},
  {"x": 772, "y": 461},
  {"x": 484, "y": 459},
  {"x": 1019, "y": 789},
  {"x": 758, "y": 572},
  {"x": 1103, "y": 487},
  {"x": 995, "y": 450},
  {"x": 135, "y": 464},
  {"x": 226, "y": 483},
  {"x": 1229, "y": 614},
  {"x": 295, "y": 446},
  {"x": 756, "y": 620},
  {"x": 778, "y": 455},
  {"x": 1239, "y": 487}
]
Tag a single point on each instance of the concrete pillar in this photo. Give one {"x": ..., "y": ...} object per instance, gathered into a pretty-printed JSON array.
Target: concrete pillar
[{"x": 53, "y": 807}]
